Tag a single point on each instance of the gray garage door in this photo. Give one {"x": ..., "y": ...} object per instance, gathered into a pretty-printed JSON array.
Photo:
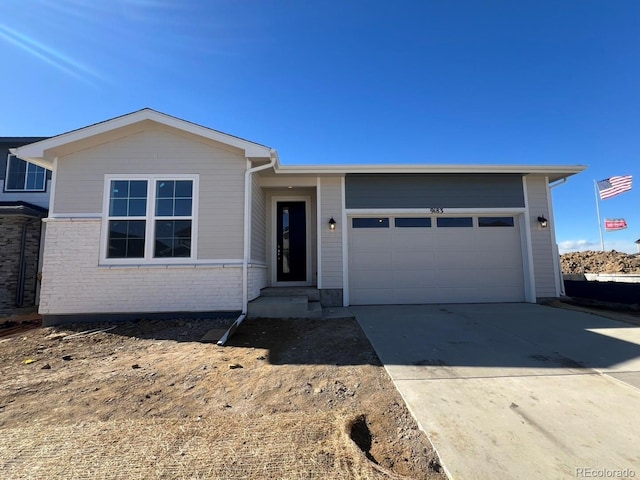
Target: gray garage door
[{"x": 403, "y": 260}]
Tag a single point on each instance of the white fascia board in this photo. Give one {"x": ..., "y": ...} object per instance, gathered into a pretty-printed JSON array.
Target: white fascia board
[
  {"x": 35, "y": 152},
  {"x": 288, "y": 181},
  {"x": 555, "y": 172},
  {"x": 41, "y": 162}
]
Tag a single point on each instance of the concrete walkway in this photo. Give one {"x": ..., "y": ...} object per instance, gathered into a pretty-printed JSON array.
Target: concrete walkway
[{"x": 516, "y": 391}]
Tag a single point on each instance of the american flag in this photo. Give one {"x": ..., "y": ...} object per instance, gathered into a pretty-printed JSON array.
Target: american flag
[{"x": 610, "y": 187}]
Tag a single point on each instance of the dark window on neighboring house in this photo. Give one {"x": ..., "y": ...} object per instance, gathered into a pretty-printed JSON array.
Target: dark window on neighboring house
[
  {"x": 23, "y": 176},
  {"x": 454, "y": 222},
  {"x": 495, "y": 221},
  {"x": 370, "y": 222}
]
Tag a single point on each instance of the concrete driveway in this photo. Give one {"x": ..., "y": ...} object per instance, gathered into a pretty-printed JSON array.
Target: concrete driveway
[{"x": 516, "y": 390}]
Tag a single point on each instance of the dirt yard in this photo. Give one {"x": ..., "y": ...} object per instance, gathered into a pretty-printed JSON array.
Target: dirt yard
[{"x": 286, "y": 399}]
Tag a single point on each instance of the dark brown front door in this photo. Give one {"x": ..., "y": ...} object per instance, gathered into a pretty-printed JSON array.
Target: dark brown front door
[{"x": 291, "y": 242}]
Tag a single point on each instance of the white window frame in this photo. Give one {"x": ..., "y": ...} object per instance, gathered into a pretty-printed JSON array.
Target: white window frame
[
  {"x": 150, "y": 219},
  {"x": 24, "y": 182}
]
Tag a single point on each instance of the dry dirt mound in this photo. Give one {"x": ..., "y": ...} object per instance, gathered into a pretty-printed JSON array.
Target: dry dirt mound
[{"x": 600, "y": 262}]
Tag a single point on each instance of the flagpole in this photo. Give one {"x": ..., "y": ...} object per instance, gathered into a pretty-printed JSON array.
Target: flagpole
[{"x": 595, "y": 187}]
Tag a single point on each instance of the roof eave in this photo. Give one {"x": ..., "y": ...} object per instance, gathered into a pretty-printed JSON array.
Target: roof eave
[{"x": 554, "y": 172}]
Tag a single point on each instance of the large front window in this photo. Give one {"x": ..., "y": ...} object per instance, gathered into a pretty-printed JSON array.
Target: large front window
[
  {"x": 24, "y": 176},
  {"x": 150, "y": 218}
]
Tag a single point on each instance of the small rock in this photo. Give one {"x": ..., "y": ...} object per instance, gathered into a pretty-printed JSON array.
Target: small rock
[
  {"x": 135, "y": 366},
  {"x": 56, "y": 336},
  {"x": 261, "y": 357},
  {"x": 46, "y": 366},
  {"x": 233, "y": 366},
  {"x": 66, "y": 358}
]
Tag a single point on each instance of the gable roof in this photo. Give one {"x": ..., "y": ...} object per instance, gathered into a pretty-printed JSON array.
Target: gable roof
[{"x": 37, "y": 152}]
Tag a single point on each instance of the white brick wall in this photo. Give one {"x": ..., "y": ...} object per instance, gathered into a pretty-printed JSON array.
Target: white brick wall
[
  {"x": 73, "y": 282},
  {"x": 257, "y": 280}
]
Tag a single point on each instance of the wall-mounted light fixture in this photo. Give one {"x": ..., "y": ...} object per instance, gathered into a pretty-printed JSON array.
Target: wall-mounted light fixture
[
  {"x": 544, "y": 223},
  {"x": 332, "y": 224}
]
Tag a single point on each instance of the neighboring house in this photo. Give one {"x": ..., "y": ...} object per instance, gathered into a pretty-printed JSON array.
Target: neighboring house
[
  {"x": 24, "y": 200},
  {"x": 153, "y": 214}
]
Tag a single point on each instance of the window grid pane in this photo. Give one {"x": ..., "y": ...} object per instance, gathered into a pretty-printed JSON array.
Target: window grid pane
[
  {"x": 126, "y": 239},
  {"x": 17, "y": 171},
  {"x": 173, "y": 238},
  {"x": 35, "y": 177},
  {"x": 174, "y": 198},
  {"x": 128, "y": 198}
]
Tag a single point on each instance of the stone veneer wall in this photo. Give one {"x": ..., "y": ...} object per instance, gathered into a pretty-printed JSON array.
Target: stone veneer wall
[{"x": 10, "y": 243}]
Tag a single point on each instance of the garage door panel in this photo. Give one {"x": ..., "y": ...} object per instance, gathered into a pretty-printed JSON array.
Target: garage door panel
[
  {"x": 452, "y": 242},
  {"x": 373, "y": 279},
  {"x": 490, "y": 258},
  {"x": 414, "y": 278},
  {"x": 408, "y": 295},
  {"x": 414, "y": 241},
  {"x": 446, "y": 258},
  {"x": 371, "y": 238},
  {"x": 411, "y": 261},
  {"x": 372, "y": 296},
  {"x": 435, "y": 265},
  {"x": 458, "y": 277},
  {"x": 367, "y": 260}
]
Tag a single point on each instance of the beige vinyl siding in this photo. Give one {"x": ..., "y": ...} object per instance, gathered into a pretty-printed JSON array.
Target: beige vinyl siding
[
  {"x": 331, "y": 241},
  {"x": 541, "y": 238},
  {"x": 80, "y": 181},
  {"x": 258, "y": 221}
]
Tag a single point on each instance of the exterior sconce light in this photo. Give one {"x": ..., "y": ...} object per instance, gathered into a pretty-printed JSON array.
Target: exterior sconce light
[
  {"x": 332, "y": 224},
  {"x": 544, "y": 223}
]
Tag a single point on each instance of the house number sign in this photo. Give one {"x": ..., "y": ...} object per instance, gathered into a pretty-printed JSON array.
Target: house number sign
[{"x": 436, "y": 210}]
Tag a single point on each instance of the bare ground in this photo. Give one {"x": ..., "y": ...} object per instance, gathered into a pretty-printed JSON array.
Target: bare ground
[
  {"x": 286, "y": 399},
  {"x": 591, "y": 261}
]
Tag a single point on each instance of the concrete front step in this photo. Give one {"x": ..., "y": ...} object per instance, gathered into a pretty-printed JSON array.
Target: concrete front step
[
  {"x": 312, "y": 293},
  {"x": 296, "y": 306}
]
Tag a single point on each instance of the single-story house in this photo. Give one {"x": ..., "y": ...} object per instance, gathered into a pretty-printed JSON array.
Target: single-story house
[{"x": 153, "y": 214}]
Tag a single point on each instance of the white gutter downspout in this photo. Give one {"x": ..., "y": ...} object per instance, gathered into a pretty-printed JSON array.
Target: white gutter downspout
[{"x": 247, "y": 246}]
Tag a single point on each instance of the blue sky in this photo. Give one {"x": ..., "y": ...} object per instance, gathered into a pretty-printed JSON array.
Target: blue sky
[{"x": 430, "y": 81}]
